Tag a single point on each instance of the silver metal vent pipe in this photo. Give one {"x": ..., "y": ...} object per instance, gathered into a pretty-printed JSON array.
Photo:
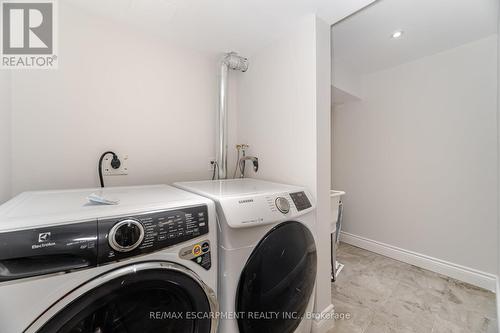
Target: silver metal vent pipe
[{"x": 235, "y": 62}]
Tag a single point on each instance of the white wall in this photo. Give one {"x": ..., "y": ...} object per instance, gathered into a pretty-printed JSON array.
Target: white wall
[
  {"x": 418, "y": 157},
  {"x": 115, "y": 89},
  {"x": 277, "y": 107},
  {"x": 346, "y": 78},
  {"x": 284, "y": 110},
  {"x": 5, "y": 135},
  {"x": 498, "y": 165},
  {"x": 323, "y": 170}
]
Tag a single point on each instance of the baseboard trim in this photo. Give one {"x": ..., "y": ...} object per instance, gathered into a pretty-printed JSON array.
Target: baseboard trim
[
  {"x": 462, "y": 273},
  {"x": 326, "y": 322}
]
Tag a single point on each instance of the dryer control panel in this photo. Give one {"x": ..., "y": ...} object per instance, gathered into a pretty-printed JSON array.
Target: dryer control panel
[
  {"x": 300, "y": 200},
  {"x": 128, "y": 236},
  {"x": 261, "y": 209}
]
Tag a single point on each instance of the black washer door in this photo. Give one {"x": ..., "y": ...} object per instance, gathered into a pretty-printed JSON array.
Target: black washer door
[
  {"x": 279, "y": 277},
  {"x": 132, "y": 304}
]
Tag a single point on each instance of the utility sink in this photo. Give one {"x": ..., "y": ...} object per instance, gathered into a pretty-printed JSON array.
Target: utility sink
[{"x": 335, "y": 197}]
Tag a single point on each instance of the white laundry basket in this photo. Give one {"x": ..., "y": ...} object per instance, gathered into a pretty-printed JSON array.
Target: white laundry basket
[{"x": 335, "y": 228}]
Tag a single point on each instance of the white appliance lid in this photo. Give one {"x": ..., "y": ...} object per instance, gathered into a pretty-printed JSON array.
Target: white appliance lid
[
  {"x": 217, "y": 189},
  {"x": 42, "y": 207}
]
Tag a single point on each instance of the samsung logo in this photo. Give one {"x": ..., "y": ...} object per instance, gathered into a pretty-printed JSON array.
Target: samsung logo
[{"x": 245, "y": 201}]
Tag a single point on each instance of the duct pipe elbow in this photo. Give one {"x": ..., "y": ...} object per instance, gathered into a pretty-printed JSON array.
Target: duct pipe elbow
[{"x": 236, "y": 62}]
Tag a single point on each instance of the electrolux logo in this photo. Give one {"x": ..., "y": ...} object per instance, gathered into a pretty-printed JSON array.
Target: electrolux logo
[
  {"x": 44, "y": 240},
  {"x": 28, "y": 34},
  {"x": 44, "y": 237}
]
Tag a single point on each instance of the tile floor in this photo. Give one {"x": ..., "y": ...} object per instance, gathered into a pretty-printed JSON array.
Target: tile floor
[{"x": 383, "y": 295}]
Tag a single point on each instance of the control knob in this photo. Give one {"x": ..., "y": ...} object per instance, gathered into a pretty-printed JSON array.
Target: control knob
[
  {"x": 126, "y": 235},
  {"x": 283, "y": 205}
]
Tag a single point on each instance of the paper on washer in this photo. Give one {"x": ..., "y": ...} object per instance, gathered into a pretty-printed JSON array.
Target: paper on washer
[{"x": 98, "y": 198}]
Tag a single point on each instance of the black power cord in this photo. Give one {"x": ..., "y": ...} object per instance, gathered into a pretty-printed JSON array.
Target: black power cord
[{"x": 115, "y": 164}]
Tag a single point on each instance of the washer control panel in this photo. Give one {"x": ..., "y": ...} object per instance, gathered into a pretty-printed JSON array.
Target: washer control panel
[{"x": 120, "y": 238}]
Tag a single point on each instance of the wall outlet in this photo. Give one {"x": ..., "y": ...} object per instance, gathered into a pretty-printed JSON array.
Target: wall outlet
[
  {"x": 107, "y": 170},
  {"x": 211, "y": 164}
]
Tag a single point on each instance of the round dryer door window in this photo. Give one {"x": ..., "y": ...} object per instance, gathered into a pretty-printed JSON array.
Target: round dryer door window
[
  {"x": 150, "y": 298},
  {"x": 277, "y": 281}
]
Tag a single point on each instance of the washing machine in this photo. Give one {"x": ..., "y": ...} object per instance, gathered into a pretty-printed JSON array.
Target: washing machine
[
  {"x": 147, "y": 263},
  {"x": 267, "y": 254}
]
